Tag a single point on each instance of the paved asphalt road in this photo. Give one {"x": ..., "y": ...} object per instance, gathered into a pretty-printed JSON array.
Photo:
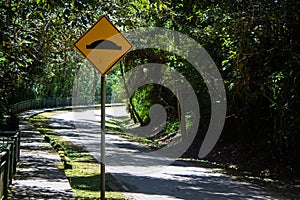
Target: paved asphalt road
[{"x": 145, "y": 175}]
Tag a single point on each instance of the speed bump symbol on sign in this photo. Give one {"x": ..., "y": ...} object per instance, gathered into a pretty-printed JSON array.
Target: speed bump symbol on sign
[{"x": 103, "y": 42}]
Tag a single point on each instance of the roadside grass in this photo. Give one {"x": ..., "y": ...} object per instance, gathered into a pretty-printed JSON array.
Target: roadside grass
[{"x": 82, "y": 170}]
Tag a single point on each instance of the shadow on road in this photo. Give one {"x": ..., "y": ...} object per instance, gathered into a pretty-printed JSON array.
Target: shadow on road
[{"x": 147, "y": 175}]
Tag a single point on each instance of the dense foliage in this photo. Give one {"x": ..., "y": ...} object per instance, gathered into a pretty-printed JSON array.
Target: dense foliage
[
  {"x": 37, "y": 56},
  {"x": 254, "y": 43}
]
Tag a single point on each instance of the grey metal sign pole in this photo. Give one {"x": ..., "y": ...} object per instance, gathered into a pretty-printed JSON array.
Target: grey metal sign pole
[{"x": 103, "y": 98}]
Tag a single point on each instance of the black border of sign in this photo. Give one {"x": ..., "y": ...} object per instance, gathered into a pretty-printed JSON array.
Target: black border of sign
[{"x": 104, "y": 16}]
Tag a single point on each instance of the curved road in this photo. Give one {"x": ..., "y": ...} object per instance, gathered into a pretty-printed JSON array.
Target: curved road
[{"x": 151, "y": 177}]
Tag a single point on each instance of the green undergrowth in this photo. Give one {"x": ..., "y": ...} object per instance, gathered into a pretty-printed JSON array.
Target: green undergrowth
[
  {"x": 113, "y": 126},
  {"x": 81, "y": 169}
]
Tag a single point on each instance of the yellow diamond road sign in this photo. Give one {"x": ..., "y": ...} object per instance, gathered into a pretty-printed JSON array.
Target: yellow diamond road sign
[{"x": 103, "y": 45}]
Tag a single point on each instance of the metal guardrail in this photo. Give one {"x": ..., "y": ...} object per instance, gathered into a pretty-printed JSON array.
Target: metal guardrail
[
  {"x": 53, "y": 103},
  {"x": 9, "y": 157}
]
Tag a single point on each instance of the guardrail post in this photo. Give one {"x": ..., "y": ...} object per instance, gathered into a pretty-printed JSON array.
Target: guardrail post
[{"x": 3, "y": 175}]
